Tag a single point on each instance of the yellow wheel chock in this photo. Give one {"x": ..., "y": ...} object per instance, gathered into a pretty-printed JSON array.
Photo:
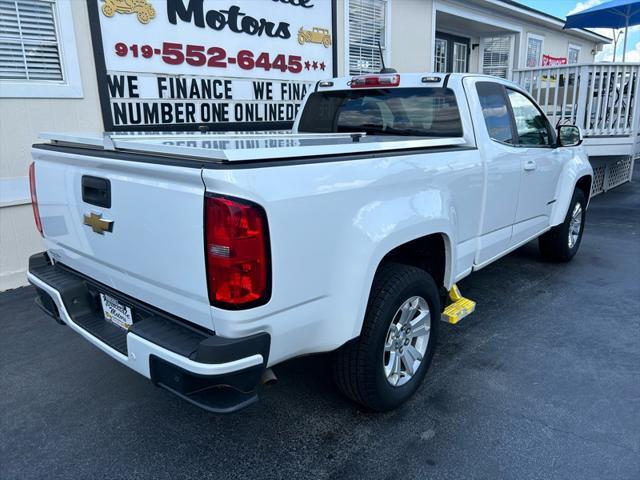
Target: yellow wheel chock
[{"x": 459, "y": 308}]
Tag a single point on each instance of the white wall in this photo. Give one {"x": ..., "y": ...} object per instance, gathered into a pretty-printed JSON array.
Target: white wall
[
  {"x": 20, "y": 121},
  {"x": 410, "y": 36},
  {"x": 556, "y": 44},
  {"x": 339, "y": 35},
  {"x": 412, "y": 31}
]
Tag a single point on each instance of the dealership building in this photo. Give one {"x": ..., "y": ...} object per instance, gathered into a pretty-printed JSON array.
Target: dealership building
[{"x": 96, "y": 65}]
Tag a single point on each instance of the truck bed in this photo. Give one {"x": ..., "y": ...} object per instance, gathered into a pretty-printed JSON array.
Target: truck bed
[{"x": 231, "y": 147}]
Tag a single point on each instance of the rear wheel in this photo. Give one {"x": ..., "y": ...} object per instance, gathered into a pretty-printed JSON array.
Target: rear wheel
[
  {"x": 562, "y": 242},
  {"x": 383, "y": 367}
]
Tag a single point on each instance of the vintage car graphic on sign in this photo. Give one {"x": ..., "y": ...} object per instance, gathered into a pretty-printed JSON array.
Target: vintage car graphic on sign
[
  {"x": 143, "y": 9},
  {"x": 315, "y": 35}
]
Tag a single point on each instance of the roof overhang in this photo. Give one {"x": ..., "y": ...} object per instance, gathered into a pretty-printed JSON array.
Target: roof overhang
[{"x": 542, "y": 18}]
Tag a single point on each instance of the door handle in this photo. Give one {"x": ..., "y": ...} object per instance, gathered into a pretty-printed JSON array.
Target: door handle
[
  {"x": 96, "y": 191},
  {"x": 530, "y": 165}
]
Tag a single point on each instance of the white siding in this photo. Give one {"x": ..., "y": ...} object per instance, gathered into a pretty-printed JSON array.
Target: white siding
[
  {"x": 29, "y": 116},
  {"x": 411, "y": 34},
  {"x": 556, "y": 44},
  {"x": 412, "y": 27}
]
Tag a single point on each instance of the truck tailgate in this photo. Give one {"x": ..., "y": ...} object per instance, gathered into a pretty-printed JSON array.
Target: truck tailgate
[{"x": 154, "y": 250}]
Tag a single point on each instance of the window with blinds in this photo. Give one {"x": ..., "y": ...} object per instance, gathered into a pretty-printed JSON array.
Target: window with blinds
[
  {"x": 367, "y": 19},
  {"x": 29, "y": 48},
  {"x": 574, "y": 54},
  {"x": 496, "y": 56},
  {"x": 534, "y": 52}
]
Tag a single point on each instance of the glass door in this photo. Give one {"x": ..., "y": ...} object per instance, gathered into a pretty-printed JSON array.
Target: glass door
[
  {"x": 460, "y": 57},
  {"x": 440, "y": 55},
  {"x": 451, "y": 53}
]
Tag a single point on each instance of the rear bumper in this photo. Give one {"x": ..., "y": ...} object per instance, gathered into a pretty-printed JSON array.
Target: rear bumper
[{"x": 216, "y": 373}]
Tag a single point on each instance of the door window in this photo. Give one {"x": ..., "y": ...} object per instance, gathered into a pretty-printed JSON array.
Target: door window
[
  {"x": 460, "y": 57},
  {"x": 495, "y": 111},
  {"x": 440, "y": 55},
  {"x": 531, "y": 124}
]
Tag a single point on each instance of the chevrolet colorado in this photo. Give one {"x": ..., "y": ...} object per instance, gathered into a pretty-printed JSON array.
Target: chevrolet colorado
[{"x": 200, "y": 260}]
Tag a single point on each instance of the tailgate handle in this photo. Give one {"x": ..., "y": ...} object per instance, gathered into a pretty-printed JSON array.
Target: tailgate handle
[{"x": 96, "y": 191}]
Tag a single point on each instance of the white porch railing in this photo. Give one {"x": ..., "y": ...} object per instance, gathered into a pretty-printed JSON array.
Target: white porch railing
[{"x": 602, "y": 98}]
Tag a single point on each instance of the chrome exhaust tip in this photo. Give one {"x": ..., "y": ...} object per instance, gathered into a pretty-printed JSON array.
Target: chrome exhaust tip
[{"x": 268, "y": 377}]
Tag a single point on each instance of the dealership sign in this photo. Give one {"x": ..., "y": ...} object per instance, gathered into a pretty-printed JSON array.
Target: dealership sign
[{"x": 223, "y": 64}]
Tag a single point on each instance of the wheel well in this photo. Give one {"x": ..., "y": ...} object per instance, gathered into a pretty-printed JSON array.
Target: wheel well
[
  {"x": 428, "y": 253},
  {"x": 584, "y": 184}
]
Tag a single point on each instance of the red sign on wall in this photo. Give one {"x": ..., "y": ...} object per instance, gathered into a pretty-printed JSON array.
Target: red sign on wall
[{"x": 549, "y": 61}]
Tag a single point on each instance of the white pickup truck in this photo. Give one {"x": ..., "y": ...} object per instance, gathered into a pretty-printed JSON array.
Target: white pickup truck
[{"x": 200, "y": 260}]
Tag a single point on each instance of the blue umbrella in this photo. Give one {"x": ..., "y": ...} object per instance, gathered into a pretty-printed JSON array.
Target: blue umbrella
[{"x": 612, "y": 14}]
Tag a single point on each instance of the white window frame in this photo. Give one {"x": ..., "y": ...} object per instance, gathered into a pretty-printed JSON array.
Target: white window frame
[
  {"x": 71, "y": 85},
  {"x": 465, "y": 59},
  {"x": 512, "y": 53},
  {"x": 386, "y": 51},
  {"x": 446, "y": 55},
  {"x": 573, "y": 46},
  {"x": 534, "y": 36}
]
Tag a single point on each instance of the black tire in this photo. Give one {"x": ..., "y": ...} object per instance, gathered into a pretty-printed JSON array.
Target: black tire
[
  {"x": 554, "y": 245},
  {"x": 358, "y": 365}
]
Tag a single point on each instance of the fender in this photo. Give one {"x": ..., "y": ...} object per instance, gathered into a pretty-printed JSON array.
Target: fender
[
  {"x": 379, "y": 257},
  {"x": 577, "y": 168},
  {"x": 427, "y": 213},
  {"x": 324, "y": 264}
]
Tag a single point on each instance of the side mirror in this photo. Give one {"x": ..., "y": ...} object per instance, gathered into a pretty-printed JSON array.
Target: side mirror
[{"x": 569, "y": 136}]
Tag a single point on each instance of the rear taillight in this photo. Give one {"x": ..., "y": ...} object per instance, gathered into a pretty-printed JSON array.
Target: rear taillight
[
  {"x": 34, "y": 196},
  {"x": 372, "y": 81},
  {"x": 237, "y": 253}
]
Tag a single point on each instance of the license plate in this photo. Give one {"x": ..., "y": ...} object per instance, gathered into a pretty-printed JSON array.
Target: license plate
[{"x": 115, "y": 312}]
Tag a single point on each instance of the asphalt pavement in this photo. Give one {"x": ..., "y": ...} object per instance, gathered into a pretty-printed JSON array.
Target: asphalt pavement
[{"x": 543, "y": 381}]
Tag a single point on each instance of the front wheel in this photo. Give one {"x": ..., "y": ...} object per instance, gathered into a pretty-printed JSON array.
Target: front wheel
[
  {"x": 383, "y": 367},
  {"x": 561, "y": 243}
]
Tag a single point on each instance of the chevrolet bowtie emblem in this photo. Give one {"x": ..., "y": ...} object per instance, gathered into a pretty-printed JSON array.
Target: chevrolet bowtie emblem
[{"x": 97, "y": 224}]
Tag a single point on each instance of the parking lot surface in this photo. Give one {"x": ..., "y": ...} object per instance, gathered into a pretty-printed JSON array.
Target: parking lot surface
[{"x": 543, "y": 381}]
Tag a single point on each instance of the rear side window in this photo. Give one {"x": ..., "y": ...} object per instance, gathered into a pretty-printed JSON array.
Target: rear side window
[
  {"x": 425, "y": 112},
  {"x": 495, "y": 111}
]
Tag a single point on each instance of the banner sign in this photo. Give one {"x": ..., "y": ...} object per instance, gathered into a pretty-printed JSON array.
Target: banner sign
[
  {"x": 214, "y": 64},
  {"x": 549, "y": 61}
]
